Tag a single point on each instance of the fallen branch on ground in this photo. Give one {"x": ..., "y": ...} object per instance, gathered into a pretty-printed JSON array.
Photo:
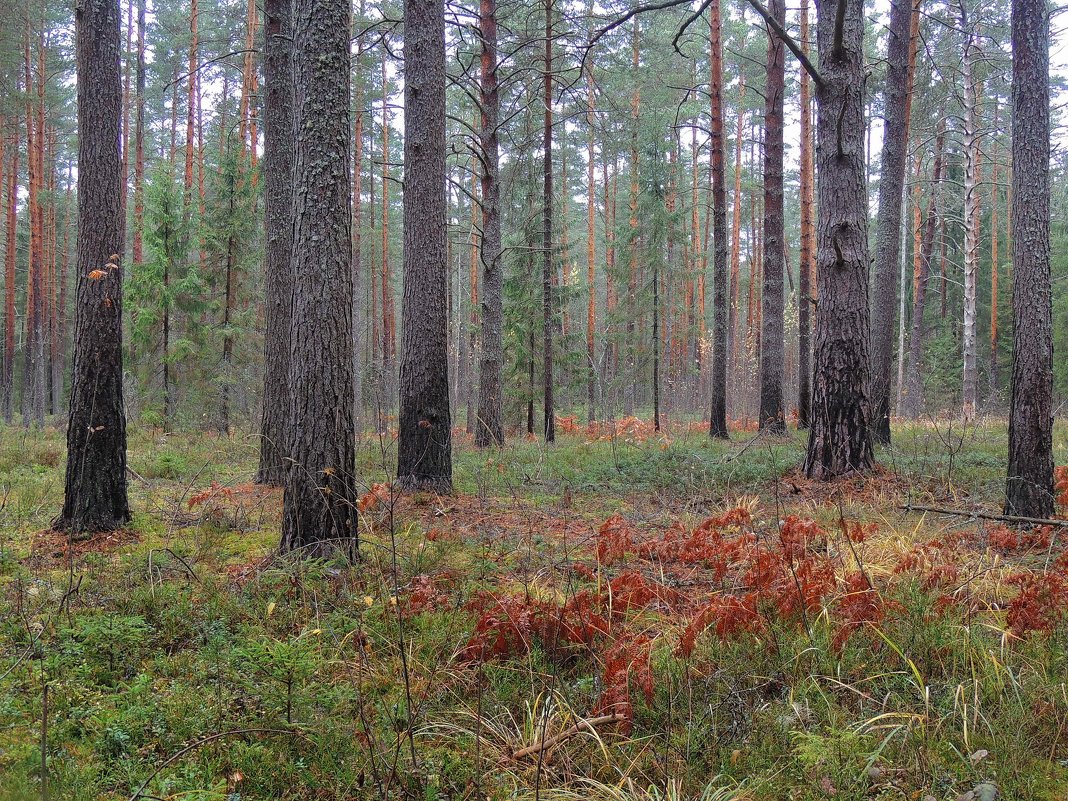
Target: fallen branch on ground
[
  {"x": 939, "y": 510},
  {"x": 571, "y": 731}
]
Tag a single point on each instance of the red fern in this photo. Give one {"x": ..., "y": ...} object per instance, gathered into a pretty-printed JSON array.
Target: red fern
[
  {"x": 860, "y": 605},
  {"x": 1060, "y": 487},
  {"x": 626, "y": 666},
  {"x": 614, "y": 538},
  {"x": 1042, "y": 603}
]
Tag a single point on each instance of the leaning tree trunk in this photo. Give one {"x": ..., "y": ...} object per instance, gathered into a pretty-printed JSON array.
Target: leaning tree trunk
[
  {"x": 319, "y": 510},
  {"x": 1029, "y": 489},
  {"x": 840, "y": 440},
  {"x": 489, "y": 428},
  {"x": 278, "y": 227},
  {"x": 772, "y": 353},
  {"x": 888, "y": 222},
  {"x": 95, "y": 497},
  {"x": 718, "y": 420},
  {"x": 424, "y": 449}
]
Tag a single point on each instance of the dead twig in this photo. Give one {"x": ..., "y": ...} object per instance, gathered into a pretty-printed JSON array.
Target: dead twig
[
  {"x": 551, "y": 742},
  {"x": 940, "y": 510}
]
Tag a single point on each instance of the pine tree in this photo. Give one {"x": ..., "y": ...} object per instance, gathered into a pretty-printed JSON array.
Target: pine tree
[{"x": 95, "y": 490}]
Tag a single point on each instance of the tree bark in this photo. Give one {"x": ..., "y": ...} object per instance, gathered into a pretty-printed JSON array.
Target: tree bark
[
  {"x": 9, "y": 276},
  {"x": 424, "y": 449},
  {"x": 1029, "y": 487},
  {"x": 489, "y": 429},
  {"x": 139, "y": 141},
  {"x": 359, "y": 308},
  {"x": 971, "y": 216},
  {"x": 736, "y": 234},
  {"x": 840, "y": 440},
  {"x": 808, "y": 243},
  {"x": 591, "y": 258},
  {"x": 278, "y": 144},
  {"x": 95, "y": 488},
  {"x": 772, "y": 417},
  {"x": 718, "y": 418},
  {"x": 549, "y": 423},
  {"x": 994, "y": 269},
  {"x": 319, "y": 508},
  {"x": 888, "y": 221}
]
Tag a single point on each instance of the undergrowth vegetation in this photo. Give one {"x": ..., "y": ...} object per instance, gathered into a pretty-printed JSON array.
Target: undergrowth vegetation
[{"x": 629, "y": 615}]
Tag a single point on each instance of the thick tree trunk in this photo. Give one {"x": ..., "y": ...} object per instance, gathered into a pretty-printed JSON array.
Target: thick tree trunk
[
  {"x": 278, "y": 147},
  {"x": 95, "y": 490},
  {"x": 549, "y": 423},
  {"x": 840, "y": 440},
  {"x": 424, "y": 449},
  {"x": 718, "y": 418},
  {"x": 772, "y": 356},
  {"x": 888, "y": 221},
  {"x": 490, "y": 427},
  {"x": 1029, "y": 488},
  {"x": 319, "y": 509}
]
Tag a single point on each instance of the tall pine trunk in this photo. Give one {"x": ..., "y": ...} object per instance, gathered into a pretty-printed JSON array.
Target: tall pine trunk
[
  {"x": 840, "y": 439},
  {"x": 549, "y": 423},
  {"x": 772, "y": 418},
  {"x": 7, "y": 382},
  {"x": 1029, "y": 488},
  {"x": 806, "y": 270},
  {"x": 319, "y": 508},
  {"x": 971, "y": 216},
  {"x": 95, "y": 488},
  {"x": 490, "y": 427},
  {"x": 888, "y": 222},
  {"x": 718, "y": 418},
  {"x": 913, "y": 398},
  {"x": 278, "y": 230},
  {"x": 424, "y": 447},
  {"x": 591, "y": 256}
]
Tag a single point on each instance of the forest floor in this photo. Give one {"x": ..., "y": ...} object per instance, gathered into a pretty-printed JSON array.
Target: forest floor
[{"x": 623, "y": 616}]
